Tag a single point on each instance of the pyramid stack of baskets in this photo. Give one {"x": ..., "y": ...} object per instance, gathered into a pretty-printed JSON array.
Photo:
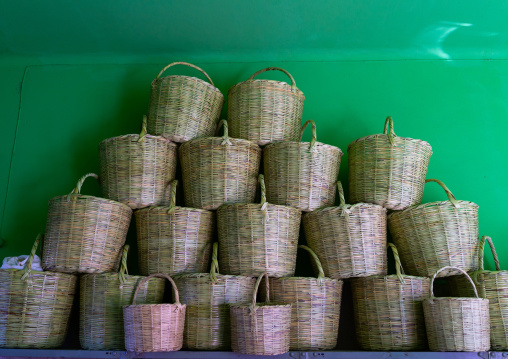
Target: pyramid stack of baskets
[{"x": 257, "y": 240}]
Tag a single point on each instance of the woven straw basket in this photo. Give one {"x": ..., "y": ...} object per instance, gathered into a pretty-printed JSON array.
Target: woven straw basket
[
  {"x": 315, "y": 309},
  {"x": 350, "y": 240},
  {"x": 102, "y": 297},
  {"x": 154, "y": 327},
  {"x": 260, "y": 328},
  {"x": 208, "y": 296},
  {"x": 302, "y": 174},
  {"x": 174, "y": 240},
  {"x": 218, "y": 170},
  {"x": 265, "y": 111},
  {"x": 136, "y": 169},
  {"x": 457, "y": 324},
  {"x": 34, "y": 306},
  {"x": 437, "y": 234},
  {"x": 258, "y": 238},
  {"x": 388, "y": 310},
  {"x": 84, "y": 234},
  {"x": 182, "y": 107},
  {"x": 388, "y": 170}
]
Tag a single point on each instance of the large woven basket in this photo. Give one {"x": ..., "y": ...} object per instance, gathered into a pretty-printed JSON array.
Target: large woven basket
[
  {"x": 154, "y": 327},
  {"x": 315, "y": 309},
  {"x": 208, "y": 296},
  {"x": 136, "y": 169},
  {"x": 388, "y": 170},
  {"x": 388, "y": 310},
  {"x": 174, "y": 240},
  {"x": 218, "y": 170},
  {"x": 102, "y": 297},
  {"x": 34, "y": 306},
  {"x": 301, "y": 174},
  {"x": 84, "y": 234},
  {"x": 437, "y": 234},
  {"x": 350, "y": 240},
  {"x": 258, "y": 238},
  {"x": 182, "y": 108},
  {"x": 260, "y": 328},
  {"x": 457, "y": 324},
  {"x": 265, "y": 111}
]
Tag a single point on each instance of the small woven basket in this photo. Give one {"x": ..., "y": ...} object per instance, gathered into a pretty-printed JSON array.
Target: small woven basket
[
  {"x": 102, "y": 297},
  {"x": 260, "y": 328},
  {"x": 174, "y": 240},
  {"x": 208, "y": 296},
  {"x": 136, "y": 169},
  {"x": 350, "y": 240},
  {"x": 457, "y": 324},
  {"x": 302, "y": 174},
  {"x": 265, "y": 111},
  {"x": 182, "y": 108},
  {"x": 218, "y": 170},
  {"x": 84, "y": 234},
  {"x": 315, "y": 309},
  {"x": 437, "y": 234},
  {"x": 154, "y": 327},
  {"x": 34, "y": 306},
  {"x": 388, "y": 310},
  {"x": 388, "y": 170},
  {"x": 258, "y": 238}
]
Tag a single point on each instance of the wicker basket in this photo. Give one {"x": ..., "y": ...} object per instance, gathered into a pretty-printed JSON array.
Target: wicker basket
[
  {"x": 388, "y": 170},
  {"x": 102, "y": 297},
  {"x": 457, "y": 324},
  {"x": 208, "y": 296},
  {"x": 258, "y": 238},
  {"x": 260, "y": 328},
  {"x": 437, "y": 234},
  {"x": 350, "y": 240},
  {"x": 84, "y": 234},
  {"x": 154, "y": 327},
  {"x": 136, "y": 169},
  {"x": 174, "y": 240},
  {"x": 218, "y": 170},
  {"x": 302, "y": 174},
  {"x": 182, "y": 107},
  {"x": 265, "y": 111},
  {"x": 388, "y": 310},
  {"x": 315, "y": 308},
  {"x": 34, "y": 306}
]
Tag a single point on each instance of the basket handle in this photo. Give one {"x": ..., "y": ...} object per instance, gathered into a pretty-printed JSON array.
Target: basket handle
[
  {"x": 342, "y": 200},
  {"x": 482, "y": 249},
  {"x": 321, "y": 275},
  {"x": 214, "y": 269},
  {"x": 253, "y": 307},
  {"x": 172, "y": 199},
  {"x": 389, "y": 130},
  {"x": 186, "y": 64},
  {"x": 123, "y": 267},
  {"x": 143, "y": 133},
  {"x": 398, "y": 265},
  {"x": 450, "y": 195},
  {"x": 225, "y": 138},
  {"x": 293, "y": 83},
  {"x": 157, "y": 275},
  {"x": 450, "y": 267},
  {"x": 28, "y": 266},
  {"x": 77, "y": 190},
  {"x": 314, "y": 137},
  {"x": 264, "y": 203}
]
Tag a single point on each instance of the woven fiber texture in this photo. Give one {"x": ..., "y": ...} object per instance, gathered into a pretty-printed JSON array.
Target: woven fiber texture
[
  {"x": 258, "y": 238},
  {"x": 265, "y": 111},
  {"x": 218, "y": 170},
  {"x": 182, "y": 108},
  {"x": 174, "y": 240},
  {"x": 388, "y": 170},
  {"x": 207, "y": 296},
  {"x": 136, "y": 169},
  {"x": 260, "y": 328},
  {"x": 437, "y": 234},
  {"x": 457, "y": 324},
  {"x": 301, "y": 174},
  {"x": 315, "y": 309},
  {"x": 35, "y": 306},
  {"x": 388, "y": 310},
  {"x": 350, "y": 240},
  {"x": 102, "y": 297},
  {"x": 154, "y": 327},
  {"x": 84, "y": 234}
]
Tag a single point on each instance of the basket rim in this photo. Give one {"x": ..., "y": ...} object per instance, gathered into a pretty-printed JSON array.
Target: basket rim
[
  {"x": 347, "y": 206},
  {"x": 308, "y": 279},
  {"x": 115, "y": 274},
  {"x": 161, "y": 79},
  {"x": 156, "y": 305},
  {"x": 280, "y": 83},
  {"x": 451, "y": 299},
  {"x": 92, "y": 198},
  {"x": 43, "y": 272},
  {"x": 176, "y": 208},
  {"x": 229, "y": 205},
  {"x": 259, "y": 305},
  {"x": 391, "y": 276},
  {"x": 124, "y": 137},
  {"x": 306, "y": 144},
  {"x": 233, "y": 140},
  {"x": 218, "y": 276},
  {"x": 422, "y": 142},
  {"x": 430, "y": 204}
]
